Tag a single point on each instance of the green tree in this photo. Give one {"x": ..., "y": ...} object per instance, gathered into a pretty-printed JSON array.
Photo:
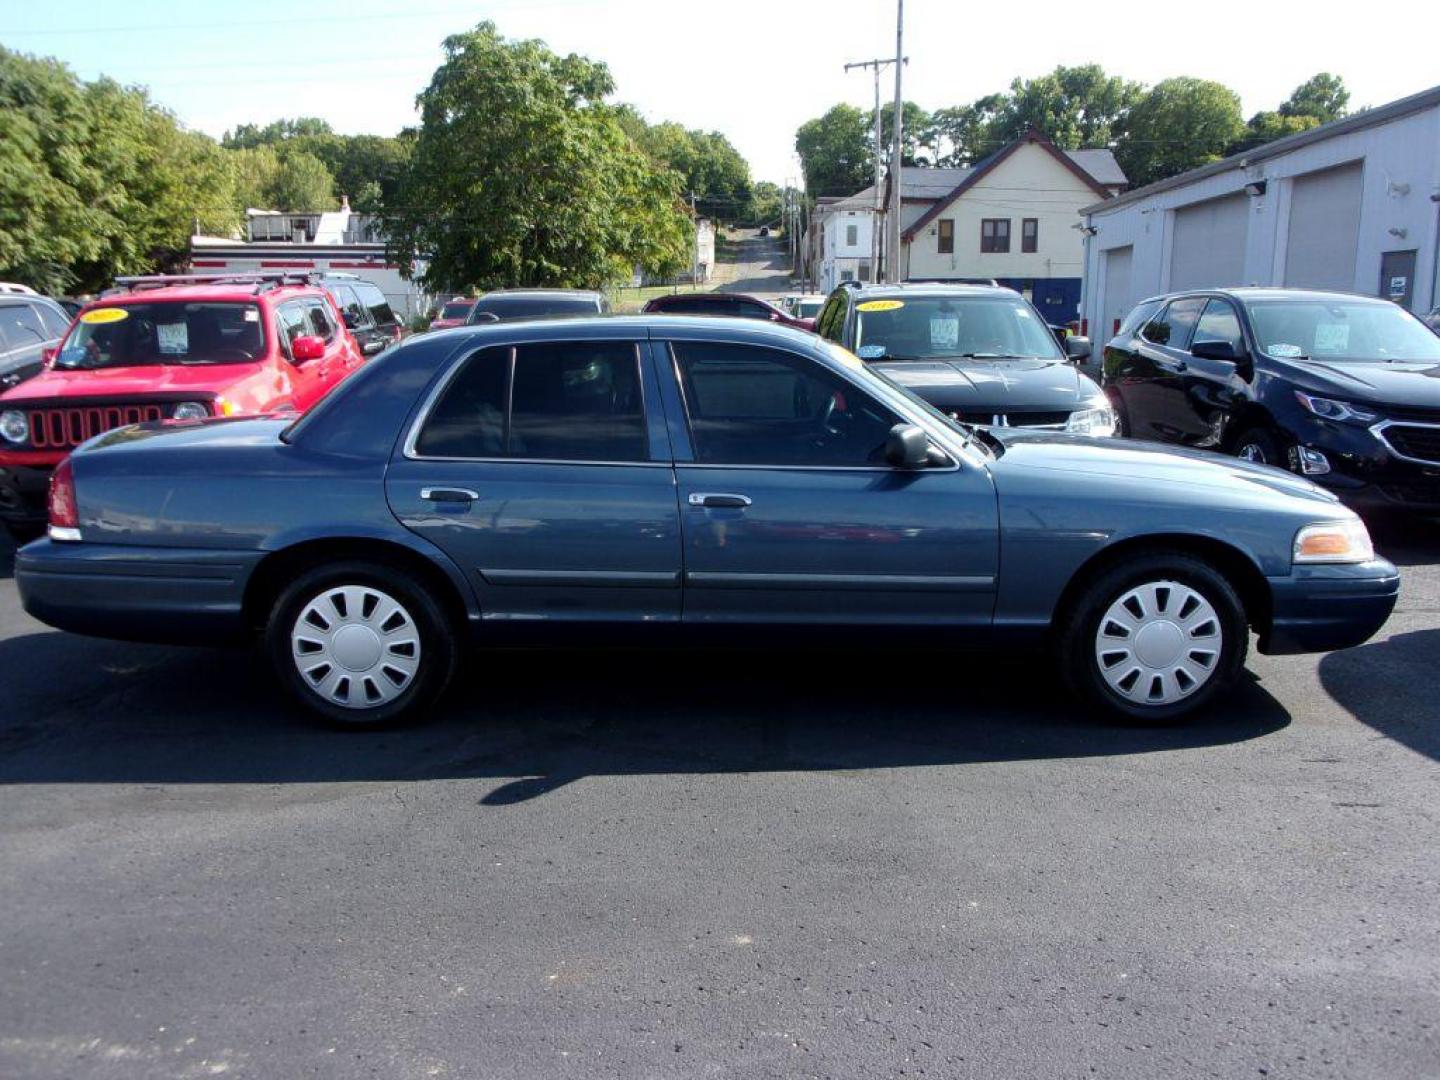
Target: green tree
[
  {"x": 766, "y": 205},
  {"x": 835, "y": 151},
  {"x": 1177, "y": 125},
  {"x": 1322, "y": 96},
  {"x": 522, "y": 175},
  {"x": 1266, "y": 127},
  {"x": 1073, "y": 107},
  {"x": 302, "y": 183},
  {"x": 708, "y": 164},
  {"x": 914, "y": 126},
  {"x": 961, "y": 135}
]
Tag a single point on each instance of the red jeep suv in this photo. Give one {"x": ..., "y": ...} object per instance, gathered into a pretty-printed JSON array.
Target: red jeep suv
[{"x": 169, "y": 348}]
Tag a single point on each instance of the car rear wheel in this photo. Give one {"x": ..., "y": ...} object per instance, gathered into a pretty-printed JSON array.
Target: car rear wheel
[
  {"x": 362, "y": 644},
  {"x": 1262, "y": 446},
  {"x": 1154, "y": 638}
]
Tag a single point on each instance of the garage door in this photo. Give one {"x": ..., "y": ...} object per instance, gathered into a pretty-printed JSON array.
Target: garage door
[
  {"x": 1209, "y": 243},
  {"x": 1118, "y": 299},
  {"x": 1324, "y": 229}
]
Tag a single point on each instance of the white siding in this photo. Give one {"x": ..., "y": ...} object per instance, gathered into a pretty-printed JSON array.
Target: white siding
[{"x": 1208, "y": 243}]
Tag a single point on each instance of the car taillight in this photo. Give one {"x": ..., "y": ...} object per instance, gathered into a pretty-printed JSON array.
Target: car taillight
[{"x": 64, "y": 514}]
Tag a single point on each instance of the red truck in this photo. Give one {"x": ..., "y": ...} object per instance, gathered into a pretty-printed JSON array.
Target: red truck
[{"x": 172, "y": 349}]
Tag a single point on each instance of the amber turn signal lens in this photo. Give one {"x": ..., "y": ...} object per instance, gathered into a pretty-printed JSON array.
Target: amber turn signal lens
[{"x": 1334, "y": 542}]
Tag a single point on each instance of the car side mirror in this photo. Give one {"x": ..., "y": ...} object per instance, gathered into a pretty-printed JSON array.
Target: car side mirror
[
  {"x": 307, "y": 347},
  {"x": 1216, "y": 350},
  {"x": 1078, "y": 348},
  {"x": 908, "y": 447}
]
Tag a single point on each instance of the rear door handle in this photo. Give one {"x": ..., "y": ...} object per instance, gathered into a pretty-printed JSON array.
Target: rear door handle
[
  {"x": 449, "y": 495},
  {"x": 715, "y": 499}
]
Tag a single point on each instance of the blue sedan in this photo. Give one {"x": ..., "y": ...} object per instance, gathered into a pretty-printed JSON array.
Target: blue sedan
[{"x": 656, "y": 478}]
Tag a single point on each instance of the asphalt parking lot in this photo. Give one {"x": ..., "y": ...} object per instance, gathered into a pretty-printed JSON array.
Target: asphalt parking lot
[{"x": 730, "y": 865}]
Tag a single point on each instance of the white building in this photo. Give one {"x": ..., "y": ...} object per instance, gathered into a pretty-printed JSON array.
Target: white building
[{"x": 1351, "y": 205}]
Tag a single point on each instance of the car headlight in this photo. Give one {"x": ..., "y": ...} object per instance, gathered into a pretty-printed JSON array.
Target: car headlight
[
  {"x": 14, "y": 427},
  {"x": 190, "y": 410},
  {"x": 1334, "y": 542},
  {"x": 1330, "y": 409},
  {"x": 1098, "y": 418}
]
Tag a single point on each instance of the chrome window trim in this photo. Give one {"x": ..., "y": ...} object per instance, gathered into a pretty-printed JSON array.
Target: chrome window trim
[{"x": 1378, "y": 430}]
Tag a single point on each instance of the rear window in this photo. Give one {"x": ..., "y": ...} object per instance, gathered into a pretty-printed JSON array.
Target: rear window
[
  {"x": 534, "y": 307},
  {"x": 1137, "y": 318},
  {"x": 457, "y": 309},
  {"x": 20, "y": 323},
  {"x": 375, "y": 300},
  {"x": 171, "y": 332}
]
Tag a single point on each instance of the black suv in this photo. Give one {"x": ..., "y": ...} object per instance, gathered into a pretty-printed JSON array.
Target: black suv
[
  {"x": 981, "y": 353},
  {"x": 1341, "y": 388},
  {"x": 29, "y": 326},
  {"x": 508, "y": 305},
  {"x": 367, "y": 313}
]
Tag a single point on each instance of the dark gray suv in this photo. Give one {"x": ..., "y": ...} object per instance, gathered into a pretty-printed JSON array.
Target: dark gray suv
[{"x": 29, "y": 325}]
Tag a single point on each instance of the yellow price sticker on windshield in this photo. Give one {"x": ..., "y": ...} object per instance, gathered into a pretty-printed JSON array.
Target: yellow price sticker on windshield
[
  {"x": 880, "y": 305},
  {"x": 105, "y": 315}
]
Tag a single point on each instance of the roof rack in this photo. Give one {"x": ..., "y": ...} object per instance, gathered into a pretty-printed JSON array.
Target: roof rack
[
  {"x": 262, "y": 280},
  {"x": 952, "y": 281},
  {"x": 852, "y": 283}
]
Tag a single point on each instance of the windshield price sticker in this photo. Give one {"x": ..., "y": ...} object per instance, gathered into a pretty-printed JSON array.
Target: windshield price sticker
[
  {"x": 101, "y": 316},
  {"x": 944, "y": 333},
  {"x": 174, "y": 339},
  {"x": 880, "y": 305},
  {"x": 871, "y": 352},
  {"x": 1282, "y": 350},
  {"x": 1332, "y": 337}
]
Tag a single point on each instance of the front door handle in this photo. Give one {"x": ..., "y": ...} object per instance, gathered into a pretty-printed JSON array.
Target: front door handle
[
  {"x": 448, "y": 495},
  {"x": 716, "y": 499}
]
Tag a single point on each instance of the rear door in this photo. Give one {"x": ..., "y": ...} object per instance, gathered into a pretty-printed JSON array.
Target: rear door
[
  {"x": 543, "y": 471},
  {"x": 790, "y": 513}
]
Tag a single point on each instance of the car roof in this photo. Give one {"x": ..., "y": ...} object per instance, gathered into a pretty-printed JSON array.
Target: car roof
[
  {"x": 247, "y": 292},
  {"x": 1263, "y": 292},
  {"x": 709, "y": 296},
  {"x": 541, "y": 292},
  {"x": 929, "y": 288},
  {"x": 622, "y": 327}
]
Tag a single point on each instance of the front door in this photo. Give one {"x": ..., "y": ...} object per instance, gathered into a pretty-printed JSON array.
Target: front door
[
  {"x": 542, "y": 470},
  {"x": 790, "y": 514},
  {"x": 307, "y": 383},
  {"x": 1397, "y": 277}
]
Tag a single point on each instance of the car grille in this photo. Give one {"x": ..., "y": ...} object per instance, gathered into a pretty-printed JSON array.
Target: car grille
[
  {"x": 1028, "y": 419},
  {"x": 62, "y": 429},
  {"x": 1405, "y": 412},
  {"x": 1414, "y": 492},
  {"x": 1414, "y": 441}
]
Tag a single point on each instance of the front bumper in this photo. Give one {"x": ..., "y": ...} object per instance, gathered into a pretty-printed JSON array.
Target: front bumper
[
  {"x": 1364, "y": 470},
  {"x": 1325, "y": 607},
  {"x": 23, "y": 492},
  {"x": 176, "y": 596}
]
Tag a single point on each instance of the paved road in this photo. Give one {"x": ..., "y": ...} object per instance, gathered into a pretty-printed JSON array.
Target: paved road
[
  {"x": 752, "y": 264},
  {"x": 640, "y": 865}
]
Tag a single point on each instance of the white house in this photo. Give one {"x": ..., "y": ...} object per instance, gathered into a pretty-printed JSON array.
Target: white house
[{"x": 1351, "y": 205}]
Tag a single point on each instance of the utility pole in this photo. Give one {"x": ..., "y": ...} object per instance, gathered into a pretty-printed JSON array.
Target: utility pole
[
  {"x": 878, "y": 214},
  {"x": 695, "y": 264},
  {"x": 896, "y": 167}
]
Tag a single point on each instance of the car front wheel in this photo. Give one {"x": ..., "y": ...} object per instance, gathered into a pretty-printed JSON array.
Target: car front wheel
[
  {"x": 1154, "y": 638},
  {"x": 362, "y": 644}
]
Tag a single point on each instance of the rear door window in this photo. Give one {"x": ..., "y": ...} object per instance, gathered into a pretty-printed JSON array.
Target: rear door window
[
  {"x": 350, "y": 305},
  {"x": 55, "y": 321},
  {"x": 375, "y": 302},
  {"x": 1172, "y": 326},
  {"x": 1138, "y": 317},
  {"x": 23, "y": 326}
]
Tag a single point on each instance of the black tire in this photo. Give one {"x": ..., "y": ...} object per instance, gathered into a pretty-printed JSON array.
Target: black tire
[
  {"x": 1080, "y": 627},
  {"x": 437, "y": 646},
  {"x": 1264, "y": 446}
]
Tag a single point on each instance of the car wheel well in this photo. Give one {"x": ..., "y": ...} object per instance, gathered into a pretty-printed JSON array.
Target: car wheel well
[
  {"x": 1251, "y": 416},
  {"x": 279, "y": 568},
  {"x": 1237, "y": 568}
]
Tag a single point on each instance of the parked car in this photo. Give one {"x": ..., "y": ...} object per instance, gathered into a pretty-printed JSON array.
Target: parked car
[
  {"x": 30, "y": 326},
  {"x": 805, "y": 306},
  {"x": 508, "y": 305},
  {"x": 16, "y": 289},
  {"x": 169, "y": 348},
  {"x": 979, "y": 353},
  {"x": 680, "y": 477},
  {"x": 367, "y": 314},
  {"x": 454, "y": 312},
  {"x": 1340, "y": 388},
  {"x": 1433, "y": 319},
  {"x": 730, "y": 305}
]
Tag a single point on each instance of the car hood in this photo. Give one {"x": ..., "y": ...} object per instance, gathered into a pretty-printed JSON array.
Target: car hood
[
  {"x": 1135, "y": 464},
  {"x": 1000, "y": 386},
  {"x": 123, "y": 382},
  {"x": 1413, "y": 383}
]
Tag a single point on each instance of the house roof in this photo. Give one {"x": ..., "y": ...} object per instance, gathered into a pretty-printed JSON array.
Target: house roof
[
  {"x": 1426, "y": 99},
  {"x": 1100, "y": 159}
]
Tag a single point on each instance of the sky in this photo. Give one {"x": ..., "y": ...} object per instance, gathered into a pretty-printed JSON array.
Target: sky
[{"x": 753, "y": 69}]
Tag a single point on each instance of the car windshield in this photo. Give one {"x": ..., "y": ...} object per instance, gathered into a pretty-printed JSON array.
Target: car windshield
[
  {"x": 533, "y": 307},
  {"x": 808, "y": 309},
  {"x": 942, "y": 327},
  {"x": 172, "y": 332},
  {"x": 456, "y": 309},
  {"x": 1341, "y": 330}
]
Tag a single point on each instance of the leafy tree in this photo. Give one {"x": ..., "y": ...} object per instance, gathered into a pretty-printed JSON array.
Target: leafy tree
[
  {"x": 355, "y": 162},
  {"x": 1266, "y": 127},
  {"x": 1073, "y": 107},
  {"x": 302, "y": 183},
  {"x": 249, "y": 136},
  {"x": 1322, "y": 96},
  {"x": 835, "y": 152},
  {"x": 522, "y": 175},
  {"x": 1179, "y": 124},
  {"x": 963, "y": 134},
  {"x": 708, "y": 164},
  {"x": 767, "y": 204},
  {"x": 914, "y": 123}
]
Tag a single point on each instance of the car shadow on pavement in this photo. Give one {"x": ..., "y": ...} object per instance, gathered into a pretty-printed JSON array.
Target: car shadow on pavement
[
  {"x": 87, "y": 711},
  {"x": 1377, "y": 683}
]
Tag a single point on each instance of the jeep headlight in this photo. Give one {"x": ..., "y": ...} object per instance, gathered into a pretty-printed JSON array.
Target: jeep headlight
[
  {"x": 14, "y": 427},
  {"x": 190, "y": 410},
  {"x": 1097, "y": 418},
  {"x": 1334, "y": 542}
]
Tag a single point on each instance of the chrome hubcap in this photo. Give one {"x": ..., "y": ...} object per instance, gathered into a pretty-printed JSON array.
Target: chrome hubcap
[
  {"x": 1158, "y": 643},
  {"x": 1251, "y": 452},
  {"x": 356, "y": 646}
]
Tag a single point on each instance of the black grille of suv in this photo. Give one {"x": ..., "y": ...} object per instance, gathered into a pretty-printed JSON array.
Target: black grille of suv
[
  {"x": 1028, "y": 419},
  {"x": 1413, "y": 441}
]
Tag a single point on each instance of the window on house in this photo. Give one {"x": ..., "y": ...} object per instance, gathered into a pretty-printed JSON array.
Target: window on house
[
  {"x": 852, "y": 235},
  {"x": 864, "y": 271},
  {"x": 947, "y": 236},
  {"x": 847, "y": 275},
  {"x": 1030, "y": 235},
  {"x": 995, "y": 235}
]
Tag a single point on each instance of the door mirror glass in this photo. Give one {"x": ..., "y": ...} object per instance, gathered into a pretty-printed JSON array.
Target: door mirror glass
[
  {"x": 908, "y": 447},
  {"x": 307, "y": 347},
  {"x": 1077, "y": 348}
]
